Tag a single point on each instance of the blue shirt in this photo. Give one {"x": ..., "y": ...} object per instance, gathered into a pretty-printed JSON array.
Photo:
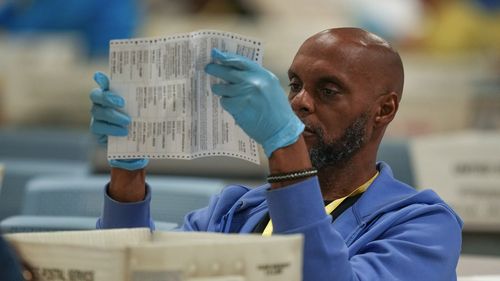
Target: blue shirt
[{"x": 393, "y": 232}]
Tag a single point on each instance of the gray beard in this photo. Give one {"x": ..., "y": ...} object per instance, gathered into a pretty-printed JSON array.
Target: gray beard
[{"x": 337, "y": 153}]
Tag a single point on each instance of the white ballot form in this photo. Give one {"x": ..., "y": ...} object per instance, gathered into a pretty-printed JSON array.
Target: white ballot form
[
  {"x": 168, "y": 96},
  {"x": 141, "y": 255}
]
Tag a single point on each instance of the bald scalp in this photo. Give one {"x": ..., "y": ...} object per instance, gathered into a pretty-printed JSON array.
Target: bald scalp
[{"x": 370, "y": 55}]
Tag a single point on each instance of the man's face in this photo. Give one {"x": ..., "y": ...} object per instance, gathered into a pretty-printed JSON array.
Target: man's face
[
  {"x": 336, "y": 152},
  {"x": 331, "y": 94}
]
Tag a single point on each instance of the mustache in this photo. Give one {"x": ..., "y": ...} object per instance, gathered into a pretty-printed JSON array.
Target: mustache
[{"x": 313, "y": 129}]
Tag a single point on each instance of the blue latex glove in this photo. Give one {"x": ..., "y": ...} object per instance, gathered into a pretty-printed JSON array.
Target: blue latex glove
[
  {"x": 108, "y": 120},
  {"x": 254, "y": 97}
]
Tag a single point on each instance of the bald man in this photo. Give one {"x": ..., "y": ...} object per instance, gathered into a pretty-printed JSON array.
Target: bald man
[{"x": 358, "y": 222}]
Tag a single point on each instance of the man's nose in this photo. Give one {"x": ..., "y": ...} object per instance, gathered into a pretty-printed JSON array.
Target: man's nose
[{"x": 302, "y": 103}]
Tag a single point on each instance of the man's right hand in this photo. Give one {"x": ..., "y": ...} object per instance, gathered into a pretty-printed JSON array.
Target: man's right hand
[{"x": 109, "y": 120}]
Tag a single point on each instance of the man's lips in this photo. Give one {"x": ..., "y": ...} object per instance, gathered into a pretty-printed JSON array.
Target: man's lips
[{"x": 308, "y": 132}]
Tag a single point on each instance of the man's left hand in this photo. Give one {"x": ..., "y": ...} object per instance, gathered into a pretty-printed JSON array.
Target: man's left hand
[{"x": 254, "y": 97}]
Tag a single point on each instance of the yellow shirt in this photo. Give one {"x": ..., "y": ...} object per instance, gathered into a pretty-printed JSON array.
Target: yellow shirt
[{"x": 268, "y": 231}]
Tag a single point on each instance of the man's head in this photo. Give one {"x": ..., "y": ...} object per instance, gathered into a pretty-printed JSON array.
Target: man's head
[{"x": 345, "y": 85}]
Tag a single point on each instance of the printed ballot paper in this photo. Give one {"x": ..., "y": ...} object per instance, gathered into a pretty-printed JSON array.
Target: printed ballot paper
[
  {"x": 168, "y": 96},
  {"x": 140, "y": 255}
]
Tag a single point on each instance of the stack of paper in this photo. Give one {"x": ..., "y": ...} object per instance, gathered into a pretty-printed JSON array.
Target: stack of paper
[{"x": 139, "y": 255}]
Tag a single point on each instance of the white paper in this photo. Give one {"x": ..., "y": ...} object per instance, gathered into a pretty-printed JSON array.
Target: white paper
[
  {"x": 478, "y": 266},
  {"x": 138, "y": 254},
  {"x": 168, "y": 96},
  {"x": 464, "y": 169},
  {"x": 480, "y": 278}
]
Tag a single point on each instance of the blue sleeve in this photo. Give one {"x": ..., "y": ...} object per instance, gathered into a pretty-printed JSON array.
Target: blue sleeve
[
  {"x": 423, "y": 244},
  {"x": 126, "y": 215},
  {"x": 213, "y": 217}
]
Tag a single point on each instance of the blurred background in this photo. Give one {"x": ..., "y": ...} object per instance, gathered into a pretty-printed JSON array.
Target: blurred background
[
  {"x": 49, "y": 50},
  {"x": 446, "y": 134}
]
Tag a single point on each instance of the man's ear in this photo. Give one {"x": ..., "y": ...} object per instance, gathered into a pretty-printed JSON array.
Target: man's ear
[{"x": 387, "y": 107}]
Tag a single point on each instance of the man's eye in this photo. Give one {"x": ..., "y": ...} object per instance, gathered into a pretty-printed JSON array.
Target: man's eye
[
  {"x": 295, "y": 87},
  {"x": 326, "y": 92}
]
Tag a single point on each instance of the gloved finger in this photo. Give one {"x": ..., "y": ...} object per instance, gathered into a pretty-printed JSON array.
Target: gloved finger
[
  {"x": 129, "y": 164},
  {"x": 106, "y": 98},
  {"x": 233, "y": 60},
  {"x": 102, "y": 139},
  {"x": 228, "y": 74},
  {"x": 102, "y": 80},
  {"x": 103, "y": 128},
  {"x": 110, "y": 115},
  {"x": 234, "y": 105},
  {"x": 227, "y": 90}
]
